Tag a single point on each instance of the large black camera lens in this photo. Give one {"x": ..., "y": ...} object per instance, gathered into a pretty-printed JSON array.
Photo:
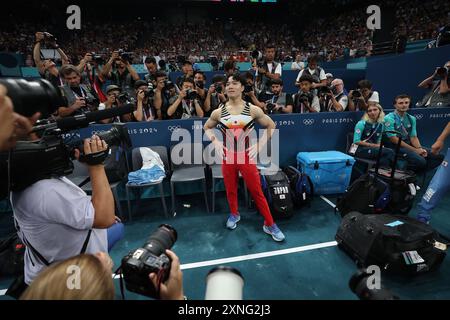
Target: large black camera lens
[
  {"x": 356, "y": 94},
  {"x": 29, "y": 97},
  {"x": 163, "y": 238},
  {"x": 116, "y": 136}
]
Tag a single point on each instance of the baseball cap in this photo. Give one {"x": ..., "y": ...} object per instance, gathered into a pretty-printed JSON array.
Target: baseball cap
[
  {"x": 139, "y": 83},
  {"x": 329, "y": 75},
  {"x": 111, "y": 88}
]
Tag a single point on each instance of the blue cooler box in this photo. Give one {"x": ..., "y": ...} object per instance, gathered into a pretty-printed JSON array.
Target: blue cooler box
[{"x": 330, "y": 171}]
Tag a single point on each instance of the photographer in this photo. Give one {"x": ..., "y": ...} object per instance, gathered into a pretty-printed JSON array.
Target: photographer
[
  {"x": 438, "y": 83},
  {"x": 305, "y": 101},
  {"x": 47, "y": 68},
  {"x": 145, "y": 110},
  {"x": 358, "y": 100},
  {"x": 229, "y": 67},
  {"x": 298, "y": 64},
  {"x": 150, "y": 64},
  {"x": 316, "y": 72},
  {"x": 335, "y": 99},
  {"x": 250, "y": 94},
  {"x": 96, "y": 282},
  {"x": 187, "y": 103},
  {"x": 188, "y": 72},
  {"x": 281, "y": 102},
  {"x": 12, "y": 125},
  {"x": 200, "y": 80},
  {"x": 112, "y": 92},
  {"x": 215, "y": 95},
  {"x": 165, "y": 95},
  {"x": 52, "y": 234},
  {"x": 121, "y": 73},
  {"x": 267, "y": 70},
  {"x": 79, "y": 97},
  {"x": 91, "y": 74}
]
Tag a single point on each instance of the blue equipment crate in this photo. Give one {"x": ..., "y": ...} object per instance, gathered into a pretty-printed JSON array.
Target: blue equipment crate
[{"x": 330, "y": 171}]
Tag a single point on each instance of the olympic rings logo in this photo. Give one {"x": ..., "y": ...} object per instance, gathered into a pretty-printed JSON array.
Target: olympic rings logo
[
  {"x": 308, "y": 122},
  {"x": 173, "y": 128},
  {"x": 419, "y": 116}
]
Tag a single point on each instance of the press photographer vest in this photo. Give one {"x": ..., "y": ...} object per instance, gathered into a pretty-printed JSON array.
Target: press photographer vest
[
  {"x": 71, "y": 96},
  {"x": 281, "y": 99},
  {"x": 265, "y": 81},
  {"x": 329, "y": 104},
  {"x": 315, "y": 74}
]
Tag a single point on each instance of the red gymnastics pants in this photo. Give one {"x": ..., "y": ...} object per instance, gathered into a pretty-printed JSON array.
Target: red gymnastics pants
[{"x": 249, "y": 172}]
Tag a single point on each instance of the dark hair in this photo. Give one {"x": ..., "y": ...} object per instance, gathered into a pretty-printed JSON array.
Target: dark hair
[
  {"x": 365, "y": 84},
  {"x": 139, "y": 83},
  {"x": 68, "y": 69},
  {"x": 276, "y": 81},
  {"x": 185, "y": 62},
  {"x": 150, "y": 60},
  {"x": 306, "y": 77},
  {"x": 218, "y": 78},
  {"x": 313, "y": 58},
  {"x": 159, "y": 74},
  {"x": 238, "y": 77},
  {"x": 249, "y": 75},
  {"x": 401, "y": 96},
  {"x": 269, "y": 46},
  {"x": 202, "y": 73},
  {"x": 187, "y": 79},
  {"x": 229, "y": 65}
]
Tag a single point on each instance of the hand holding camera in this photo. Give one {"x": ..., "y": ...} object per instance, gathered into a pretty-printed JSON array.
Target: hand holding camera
[
  {"x": 172, "y": 288},
  {"x": 39, "y": 36},
  {"x": 95, "y": 151},
  {"x": 141, "y": 95},
  {"x": 79, "y": 103}
]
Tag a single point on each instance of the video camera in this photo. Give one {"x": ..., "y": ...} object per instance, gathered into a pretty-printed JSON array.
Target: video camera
[
  {"x": 51, "y": 155},
  {"x": 151, "y": 257}
]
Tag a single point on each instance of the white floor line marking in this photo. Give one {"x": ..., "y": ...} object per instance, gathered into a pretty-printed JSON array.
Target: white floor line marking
[
  {"x": 257, "y": 255},
  {"x": 328, "y": 201}
]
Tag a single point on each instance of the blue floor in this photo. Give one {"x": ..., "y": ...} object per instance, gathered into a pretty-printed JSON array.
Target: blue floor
[{"x": 315, "y": 274}]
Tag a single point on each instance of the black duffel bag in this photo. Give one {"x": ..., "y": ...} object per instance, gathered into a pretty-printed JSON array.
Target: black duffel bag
[{"x": 396, "y": 243}]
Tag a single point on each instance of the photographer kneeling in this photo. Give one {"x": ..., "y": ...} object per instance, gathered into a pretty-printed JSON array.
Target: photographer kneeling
[{"x": 57, "y": 220}]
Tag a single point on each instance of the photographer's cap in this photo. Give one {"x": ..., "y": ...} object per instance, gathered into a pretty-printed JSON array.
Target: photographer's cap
[
  {"x": 329, "y": 75},
  {"x": 139, "y": 83},
  {"x": 111, "y": 88}
]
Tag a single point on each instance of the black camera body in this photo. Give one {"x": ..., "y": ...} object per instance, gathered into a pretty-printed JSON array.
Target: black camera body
[
  {"x": 49, "y": 37},
  {"x": 150, "y": 258},
  {"x": 270, "y": 107},
  {"x": 126, "y": 56},
  {"x": 150, "y": 93},
  {"x": 191, "y": 94},
  {"x": 168, "y": 85},
  {"x": 357, "y": 94},
  {"x": 200, "y": 84},
  {"x": 218, "y": 87},
  {"x": 441, "y": 73},
  {"x": 305, "y": 97},
  {"x": 248, "y": 88}
]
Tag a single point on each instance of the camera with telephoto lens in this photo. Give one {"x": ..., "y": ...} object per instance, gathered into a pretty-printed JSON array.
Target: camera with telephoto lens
[
  {"x": 97, "y": 58},
  {"x": 150, "y": 258},
  {"x": 258, "y": 56},
  {"x": 441, "y": 73},
  {"x": 359, "y": 284},
  {"x": 191, "y": 94},
  {"x": 150, "y": 93},
  {"x": 124, "y": 98},
  {"x": 168, "y": 84}
]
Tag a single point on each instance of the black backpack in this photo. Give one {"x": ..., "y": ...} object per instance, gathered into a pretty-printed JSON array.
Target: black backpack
[
  {"x": 396, "y": 243},
  {"x": 278, "y": 194},
  {"x": 12, "y": 252},
  {"x": 116, "y": 167},
  {"x": 301, "y": 186}
]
